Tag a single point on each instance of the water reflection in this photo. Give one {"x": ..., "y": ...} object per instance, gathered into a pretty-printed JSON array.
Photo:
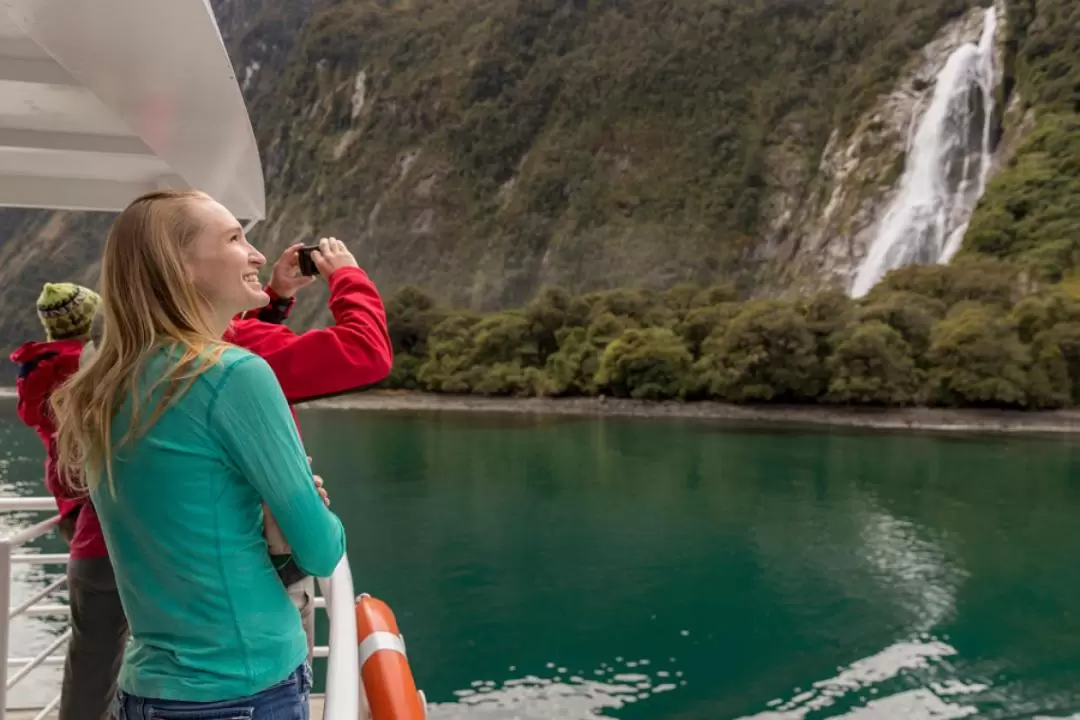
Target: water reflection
[
  {"x": 557, "y": 568},
  {"x": 564, "y": 694},
  {"x": 867, "y": 677},
  {"x": 914, "y": 570},
  {"x": 879, "y": 560}
]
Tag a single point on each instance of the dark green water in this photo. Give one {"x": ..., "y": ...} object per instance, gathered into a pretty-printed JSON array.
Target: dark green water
[{"x": 578, "y": 568}]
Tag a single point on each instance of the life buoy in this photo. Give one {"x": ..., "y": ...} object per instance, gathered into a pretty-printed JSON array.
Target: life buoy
[{"x": 384, "y": 670}]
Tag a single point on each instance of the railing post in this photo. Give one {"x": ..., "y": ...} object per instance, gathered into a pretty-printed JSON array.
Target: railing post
[
  {"x": 342, "y": 701},
  {"x": 5, "y": 621}
]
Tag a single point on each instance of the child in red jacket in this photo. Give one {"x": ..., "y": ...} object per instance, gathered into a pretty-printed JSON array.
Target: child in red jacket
[{"x": 66, "y": 310}]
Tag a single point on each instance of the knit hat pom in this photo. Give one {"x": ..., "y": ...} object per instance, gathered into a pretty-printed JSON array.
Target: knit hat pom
[{"x": 66, "y": 310}]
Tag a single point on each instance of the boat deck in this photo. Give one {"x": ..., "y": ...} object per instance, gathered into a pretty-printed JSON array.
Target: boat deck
[{"x": 316, "y": 711}]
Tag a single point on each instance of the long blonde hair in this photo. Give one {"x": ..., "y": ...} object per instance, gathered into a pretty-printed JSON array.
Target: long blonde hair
[{"x": 148, "y": 302}]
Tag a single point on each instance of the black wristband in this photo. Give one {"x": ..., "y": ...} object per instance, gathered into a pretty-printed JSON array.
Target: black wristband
[
  {"x": 290, "y": 573},
  {"x": 276, "y": 311}
]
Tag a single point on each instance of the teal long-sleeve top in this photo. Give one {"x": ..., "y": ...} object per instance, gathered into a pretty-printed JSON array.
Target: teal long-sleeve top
[{"x": 209, "y": 618}]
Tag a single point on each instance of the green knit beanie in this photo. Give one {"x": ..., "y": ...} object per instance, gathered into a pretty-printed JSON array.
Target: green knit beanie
[{"x": 66, "y": 310}]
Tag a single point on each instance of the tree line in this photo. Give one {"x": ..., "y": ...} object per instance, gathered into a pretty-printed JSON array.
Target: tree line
[{"x": 972, "y": 334}]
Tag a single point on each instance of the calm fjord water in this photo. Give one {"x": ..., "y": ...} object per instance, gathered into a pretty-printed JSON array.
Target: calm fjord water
[{"x": 582, "y": 568}]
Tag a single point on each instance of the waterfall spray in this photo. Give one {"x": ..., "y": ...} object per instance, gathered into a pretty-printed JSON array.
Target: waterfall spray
[{"x": 948, "y": 160}]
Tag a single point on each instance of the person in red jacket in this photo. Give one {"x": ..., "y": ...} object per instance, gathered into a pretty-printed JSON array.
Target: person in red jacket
[
  {"x": 351, "y": 354},
  {"x": 354, "y": 352},
  {"x": 66, "y": 311}
]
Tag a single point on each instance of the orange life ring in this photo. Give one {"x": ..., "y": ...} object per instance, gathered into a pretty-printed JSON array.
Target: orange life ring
[{"x": 384, "y": 670}]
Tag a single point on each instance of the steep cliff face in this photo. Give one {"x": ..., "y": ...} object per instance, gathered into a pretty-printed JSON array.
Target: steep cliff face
[
  {"x": 485, "y": 148},
  {"x": 820, "y": 238}
]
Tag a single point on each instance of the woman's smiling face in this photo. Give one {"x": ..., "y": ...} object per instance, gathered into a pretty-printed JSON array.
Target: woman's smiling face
[{"x": 223, "y": 265}]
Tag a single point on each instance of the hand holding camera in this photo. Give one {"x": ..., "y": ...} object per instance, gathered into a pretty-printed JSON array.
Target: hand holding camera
[
  {"x": 287, "y": 276},
  {"x": 324, "y": 258},
  {"x": 299, "y": 264}
]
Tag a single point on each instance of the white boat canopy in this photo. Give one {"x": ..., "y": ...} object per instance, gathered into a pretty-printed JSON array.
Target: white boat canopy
[{"x": 103, "y": 100}]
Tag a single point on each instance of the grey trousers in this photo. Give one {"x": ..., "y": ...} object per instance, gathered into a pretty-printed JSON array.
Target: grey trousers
[{"x": 99, "y": 632}]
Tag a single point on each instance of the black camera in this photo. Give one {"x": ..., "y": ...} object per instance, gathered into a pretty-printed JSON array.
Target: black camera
[{"x": 307, "y": 265}]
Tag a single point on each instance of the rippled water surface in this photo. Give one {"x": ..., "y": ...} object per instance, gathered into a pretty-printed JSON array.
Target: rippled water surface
[{"x": 578, "y": 568}]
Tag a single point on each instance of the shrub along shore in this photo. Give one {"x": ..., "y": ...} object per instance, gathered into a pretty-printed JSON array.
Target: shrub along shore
[{"x": 974, "y": 334}]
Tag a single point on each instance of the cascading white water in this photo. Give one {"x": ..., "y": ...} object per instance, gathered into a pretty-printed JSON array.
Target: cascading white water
[{"x": 947, "y": 163}]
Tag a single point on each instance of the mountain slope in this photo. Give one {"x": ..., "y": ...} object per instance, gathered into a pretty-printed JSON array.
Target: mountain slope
[{"x": 485, "y": 148}]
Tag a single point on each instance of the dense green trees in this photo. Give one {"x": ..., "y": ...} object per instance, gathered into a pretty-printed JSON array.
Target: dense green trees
[
  {"x": 966, "y": 335},
  {"x": 1031, "y": 210},
  {"x": 873, "y": 365}
]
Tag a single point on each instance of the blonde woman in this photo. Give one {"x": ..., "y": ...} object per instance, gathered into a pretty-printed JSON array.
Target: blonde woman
[{"x": 180, "y": 438}]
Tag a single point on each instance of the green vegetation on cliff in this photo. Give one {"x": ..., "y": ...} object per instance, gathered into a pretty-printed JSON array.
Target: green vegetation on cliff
[
  {"x": 956, "y": 336},
  {"x": 1031, "y": 210},
  {"x": 485, "y": 148}
]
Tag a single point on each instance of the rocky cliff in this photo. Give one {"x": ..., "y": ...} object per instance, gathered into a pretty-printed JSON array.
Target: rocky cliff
[
  {"x": 822, "y": 238},
  {"x": 485, "y": 148}
]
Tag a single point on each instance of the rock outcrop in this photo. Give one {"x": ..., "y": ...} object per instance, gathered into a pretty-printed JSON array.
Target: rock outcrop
[{"x": 821, "y": 241}]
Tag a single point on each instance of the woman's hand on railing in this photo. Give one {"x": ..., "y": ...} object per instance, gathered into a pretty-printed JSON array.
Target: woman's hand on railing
[
  {"x": 319, "y": 485},
  {"x": 322, "y": 491}
]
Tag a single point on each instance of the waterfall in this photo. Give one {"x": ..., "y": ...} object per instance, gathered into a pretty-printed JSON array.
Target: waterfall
[{"x": 947, "y": 162}]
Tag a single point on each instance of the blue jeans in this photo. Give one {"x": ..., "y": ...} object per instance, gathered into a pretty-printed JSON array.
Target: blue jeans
[{"x": 288, "y": 700}]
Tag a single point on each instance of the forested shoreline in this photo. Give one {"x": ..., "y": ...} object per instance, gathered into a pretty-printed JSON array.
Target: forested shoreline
[{"x": 975, "y": 334}]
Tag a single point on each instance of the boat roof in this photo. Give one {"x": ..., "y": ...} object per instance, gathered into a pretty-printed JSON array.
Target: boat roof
[{"x": 103, "y": 100}]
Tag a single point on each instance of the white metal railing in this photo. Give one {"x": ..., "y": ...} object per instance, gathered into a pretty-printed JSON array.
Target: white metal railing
[{"x": 343, "y": 692}]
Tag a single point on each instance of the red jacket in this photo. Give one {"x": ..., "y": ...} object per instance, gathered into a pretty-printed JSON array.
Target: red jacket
[
  {"x": 354, "y": 352},
  {"x": 43, "y": 367}
]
